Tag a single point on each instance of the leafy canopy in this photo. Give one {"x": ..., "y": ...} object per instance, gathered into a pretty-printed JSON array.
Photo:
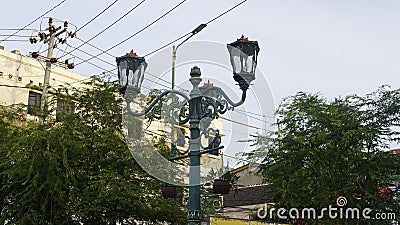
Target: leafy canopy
[
  {"x": 77, "y": 169},
  {"x": 327, "y": 149}
]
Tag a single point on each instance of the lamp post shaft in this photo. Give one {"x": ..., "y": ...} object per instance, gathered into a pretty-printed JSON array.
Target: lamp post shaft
[
  {"x": 195, "y": 115},
  {"x": 194, "y": 213}
]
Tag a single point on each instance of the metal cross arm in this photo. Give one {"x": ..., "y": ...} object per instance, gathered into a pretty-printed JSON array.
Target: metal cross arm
[
  {"x": 206, "y": 91},
  {"x": 155, "y": 101},
  {"x": 197, "y": 154}
]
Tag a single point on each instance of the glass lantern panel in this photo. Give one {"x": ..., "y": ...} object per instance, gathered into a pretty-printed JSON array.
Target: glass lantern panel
[
  {"x": 140, "y": 72},
  {"x": 131, "y": 78},
  {"x": 122, "y": 73},
  {"x": 136, "y": 78},
  {"x": 241, "y": 62},
  {"x": 248, "y": 64},
  {"x": 235, "y": 59}
]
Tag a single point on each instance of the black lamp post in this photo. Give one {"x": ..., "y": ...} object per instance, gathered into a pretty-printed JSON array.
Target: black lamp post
[{"x": 243, "y": 55}]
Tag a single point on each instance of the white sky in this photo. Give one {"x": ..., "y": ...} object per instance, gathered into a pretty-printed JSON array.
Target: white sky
[{"x": 335, "y": 47}]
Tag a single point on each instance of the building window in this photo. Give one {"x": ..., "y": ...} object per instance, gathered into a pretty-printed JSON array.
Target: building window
[
  {"x": 34, "y": 103},
  {"x": 64, "y": 107}
]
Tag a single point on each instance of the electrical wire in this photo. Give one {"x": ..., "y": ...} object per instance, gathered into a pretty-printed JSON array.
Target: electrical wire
[
  {"x": 115, "y": 74},
  {"x": 240, "y": 123},
  {"x": 183, "y": 36},
  {"x": 138, "y": 32},
  {"x": 250, "y": 116},
  {"x": 233, "y": 157},
  {"x": 6, "y": 35},
  {"x": 14, "y": 40},
  {"x": 234, "y": 132},
  {"x": 217, "y": 17},
  {"x": 108, "y": 27},
  {"x": 166, "y": 45},
  {"x": 256, "y": 114},
  {"x": 91, "y": 20},
  {"x": 179, "y": 38},
  {"x": 93, "y": 46},
  {"x": 18, "y": 29},
  {"x": 99, "y": 67},
  {"x": 33, "y": 21},
  {"x": 91, "y": 55}
]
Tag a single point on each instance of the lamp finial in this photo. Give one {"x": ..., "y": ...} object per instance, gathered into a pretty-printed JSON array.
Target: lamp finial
[
  {"x": 132, "y": 53},
  {"x": 244, "y": 38}
]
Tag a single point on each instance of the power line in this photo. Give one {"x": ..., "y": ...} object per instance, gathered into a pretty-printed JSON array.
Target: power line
[
  {"x": 93, "y": 46},
  {"x": 6, "y": 35},
  {"x": 105, "y": 29},
  {"x": 234, "y": 132},
  {"x": 13, "y": 40},
  {"x": 166, "y": 45},
  {"x": 90, "y": 55},
  {"x": 240, "y": 123},
  {"x": 217, "y": 17},
  {"x": 159, "y": 78},
  {"x": 138, "y": 32},
  {"x": 91, "y": 20},
  {"x": 34, "y": 20},
  {"x": 183, "y": 36},
  {"x": 250, "y": 116},
  {"x": 20, "y": 29},
  {"x": 92, "y": 64},
  {"x": 256, "y": 114},
  {"x": 115, "y": 74},
  {"x": 233, "y": 157}
]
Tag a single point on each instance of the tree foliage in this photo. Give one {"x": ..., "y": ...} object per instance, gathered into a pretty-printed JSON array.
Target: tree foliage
[
  {"x": 327, "y": 149},
  {"x": 77, "y": 169}
]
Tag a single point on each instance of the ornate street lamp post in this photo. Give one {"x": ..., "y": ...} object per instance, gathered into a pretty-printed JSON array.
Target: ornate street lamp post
[{"x": 243, "y": 57}]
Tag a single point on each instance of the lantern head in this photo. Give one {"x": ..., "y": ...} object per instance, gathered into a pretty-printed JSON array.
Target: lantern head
[
  {"x": 243, "y": 56},
  {"x": 131, "y": 69}
]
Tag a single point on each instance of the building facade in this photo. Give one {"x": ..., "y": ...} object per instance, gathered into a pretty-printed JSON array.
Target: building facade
[{"x": 22, "y": 77}]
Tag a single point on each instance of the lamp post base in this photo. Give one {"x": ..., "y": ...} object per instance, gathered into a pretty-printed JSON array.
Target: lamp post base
[{"x": 194, "y": 217}]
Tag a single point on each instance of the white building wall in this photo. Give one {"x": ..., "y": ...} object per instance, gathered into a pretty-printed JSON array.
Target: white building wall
[{"x": 19, "y": 70}]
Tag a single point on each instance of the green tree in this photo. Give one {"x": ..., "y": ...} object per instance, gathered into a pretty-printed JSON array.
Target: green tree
[
  {"x": 327, "y": 149},
  {"x": 78, "y": 168}
]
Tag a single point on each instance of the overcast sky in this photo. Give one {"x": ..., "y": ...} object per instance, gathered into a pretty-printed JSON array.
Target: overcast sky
[{"x": 335, "y": 47}]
